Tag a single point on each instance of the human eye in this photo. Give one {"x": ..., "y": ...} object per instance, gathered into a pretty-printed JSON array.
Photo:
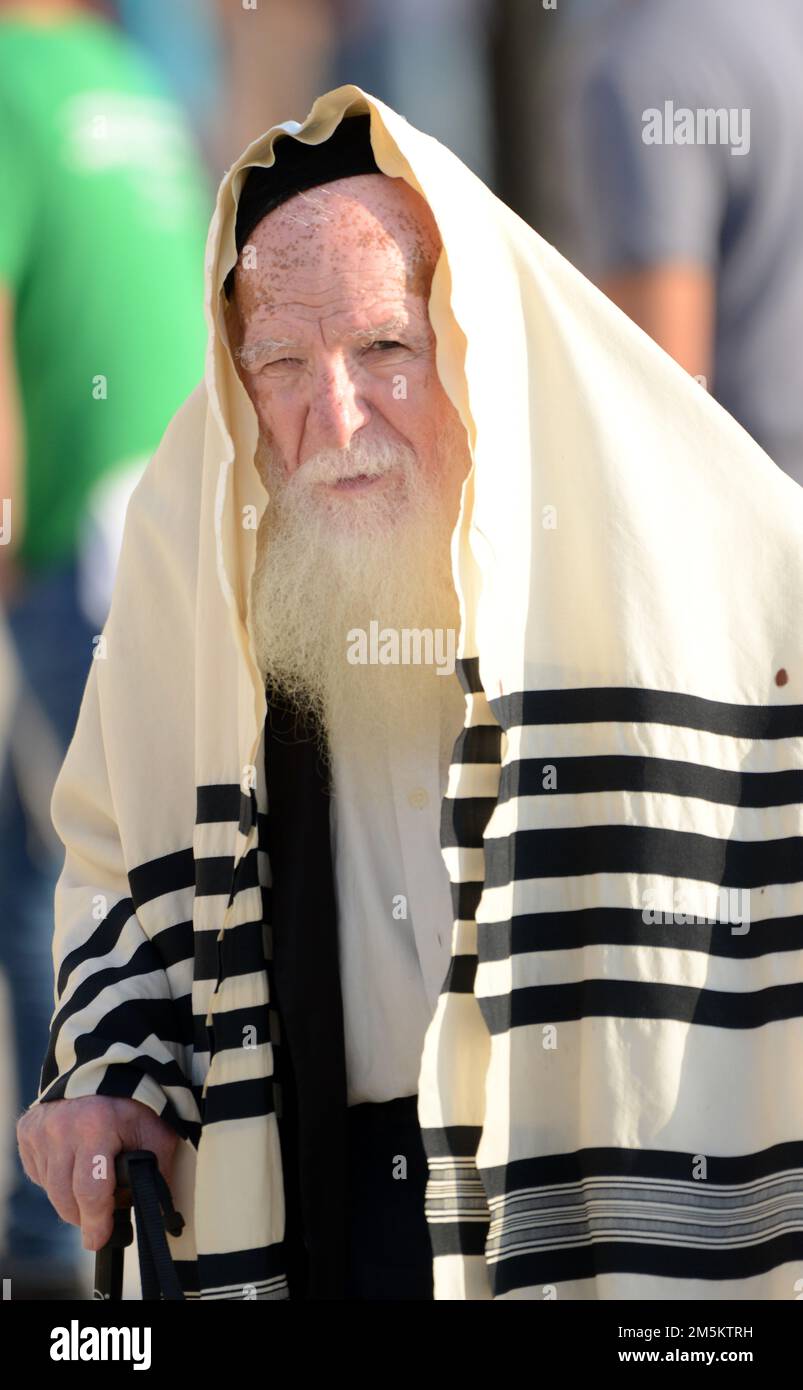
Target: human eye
[
  {"x": 282, "y": 362},
  {"x": 386, "y": 343}
]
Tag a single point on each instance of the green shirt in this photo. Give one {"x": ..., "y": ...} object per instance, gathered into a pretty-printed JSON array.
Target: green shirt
[{"x": 104, "y": 207}]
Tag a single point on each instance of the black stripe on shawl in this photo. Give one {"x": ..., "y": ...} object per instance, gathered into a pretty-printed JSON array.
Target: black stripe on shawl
[
  {"x": 641, "y": 849},
  {"x": 709, "y": 1008},
  {"x": 213, "y": 875},
  {"x": 460, "y": 975},
  {"x": 242, "y": 950},
  {"x": 627, "y": 773},
  {"x": 465, "y": 899},
  {"x": 168, "y": 874},
  {"x": 201, "y": 1036},
  {"x": 659, "y": 1261},
  {"x": 451, "y": 1141},
  {"x": 239, "y": 1268},
  {"x": 208, "y": 875},
  {"x": 658, "y": 1164},
  {"x": 206, "y": 965},
  {"x": 103, "y": 939},
  {"x": 468, "y": 673},
  {"x": 238, "y": 1100},
  {"x": 130, "y": 1022},
  {"x": 625, "y": 704},
  {"x": 176, "y": 1023},
  {"x": 225, "y": 802},
  {"x": 231, "y": 1026},
  {"x": 468, "y": 1238},
  {"x": 219, "y": 801},
  {"x": 464, "y": 820},
  {"x": 479, "y": 744},
  {"x": 620, "y": 926}
]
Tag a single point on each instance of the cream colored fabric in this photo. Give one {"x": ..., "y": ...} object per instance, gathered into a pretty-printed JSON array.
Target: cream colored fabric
[
  {"x": 394, "y": 908},
  {"x": 628, "y": 566}
]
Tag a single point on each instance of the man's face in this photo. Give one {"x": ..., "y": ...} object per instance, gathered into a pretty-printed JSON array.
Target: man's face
[
  {"x": 333, "y": 345},
  {"x": 362, "y": 453}
]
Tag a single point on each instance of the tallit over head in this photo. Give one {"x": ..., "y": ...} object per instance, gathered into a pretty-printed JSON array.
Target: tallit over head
[{"x": 611, "y": 1096}]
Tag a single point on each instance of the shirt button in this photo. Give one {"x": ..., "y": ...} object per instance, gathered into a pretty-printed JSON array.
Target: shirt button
[{"x": 418, "y": 798}]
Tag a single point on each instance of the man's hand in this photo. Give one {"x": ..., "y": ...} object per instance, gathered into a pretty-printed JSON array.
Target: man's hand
[{"x": 62, "y": 1141}]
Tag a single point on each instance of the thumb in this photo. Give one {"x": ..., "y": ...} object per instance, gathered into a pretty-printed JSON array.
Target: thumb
[{"x": 146, "y": 1130}]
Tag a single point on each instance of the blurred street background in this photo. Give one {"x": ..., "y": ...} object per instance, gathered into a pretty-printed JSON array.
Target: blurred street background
[{"x": 656, "y": 143}]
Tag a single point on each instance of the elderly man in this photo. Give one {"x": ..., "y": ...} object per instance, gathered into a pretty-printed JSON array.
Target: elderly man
[
  {"x": 408, "y": 966},
  {"x": 363, "y": 456}
]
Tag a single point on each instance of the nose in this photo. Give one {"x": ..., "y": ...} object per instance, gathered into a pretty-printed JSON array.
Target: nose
[{"x": 337, "y": 410}]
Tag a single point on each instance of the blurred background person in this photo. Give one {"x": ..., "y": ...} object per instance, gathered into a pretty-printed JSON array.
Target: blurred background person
[
  {"x": 275, "y": 56},
  {"x": 428, "y": 61},
  {"x": 103, "y": 221},
  {"x": 235, "y": 68},
  {"x": 700, "y": 243},
  {"x": 181, "y": 39}
]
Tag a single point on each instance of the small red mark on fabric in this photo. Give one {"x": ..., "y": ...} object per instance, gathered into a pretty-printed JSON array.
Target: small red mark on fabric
[{"x": 781, "y": 677}]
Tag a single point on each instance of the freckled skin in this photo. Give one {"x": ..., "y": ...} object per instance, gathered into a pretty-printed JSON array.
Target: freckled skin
[{"x": 349, "y": 255}]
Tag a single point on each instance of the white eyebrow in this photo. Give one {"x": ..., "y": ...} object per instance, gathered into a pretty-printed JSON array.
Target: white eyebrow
[
  {"x": 247, "y": 356},
  {"x": 382, "y": 330}
]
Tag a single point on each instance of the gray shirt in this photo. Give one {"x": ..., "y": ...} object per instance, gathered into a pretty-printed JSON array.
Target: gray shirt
[{"x": 732, "y": 201}]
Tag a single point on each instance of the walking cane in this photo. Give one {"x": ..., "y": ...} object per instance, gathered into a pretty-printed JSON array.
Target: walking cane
[{"x": 141, "y": 1185}]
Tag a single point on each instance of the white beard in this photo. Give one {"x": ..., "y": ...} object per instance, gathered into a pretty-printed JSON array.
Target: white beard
[{"x": 327, "y": 564}]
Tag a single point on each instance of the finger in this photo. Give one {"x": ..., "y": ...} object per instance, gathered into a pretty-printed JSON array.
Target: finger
[
  {"x": 155, "y": 1134},
  {"x": 59, "y": 1185},
  {"x": 94, "y": 1184},
  {"x": 166, "y": 1154}
]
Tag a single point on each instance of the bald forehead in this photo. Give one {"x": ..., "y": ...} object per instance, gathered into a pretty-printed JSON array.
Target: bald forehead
[{"x": 368, "y": 227}]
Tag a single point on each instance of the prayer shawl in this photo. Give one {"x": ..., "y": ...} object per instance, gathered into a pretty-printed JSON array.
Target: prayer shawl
[{"x": 611, "y": 1089}]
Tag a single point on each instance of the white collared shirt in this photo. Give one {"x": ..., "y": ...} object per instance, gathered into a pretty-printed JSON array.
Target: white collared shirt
[{"x": 394, "y": 904}]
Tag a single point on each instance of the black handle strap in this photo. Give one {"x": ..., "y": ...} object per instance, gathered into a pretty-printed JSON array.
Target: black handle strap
[{"x": 138, "y": 1171}]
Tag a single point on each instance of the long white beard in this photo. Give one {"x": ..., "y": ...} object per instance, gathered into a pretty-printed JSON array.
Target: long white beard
[{"x": 328, "y": 564}]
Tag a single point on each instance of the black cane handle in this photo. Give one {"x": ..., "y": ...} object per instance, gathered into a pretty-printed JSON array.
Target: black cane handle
[{"x": 139, "y": 1184}]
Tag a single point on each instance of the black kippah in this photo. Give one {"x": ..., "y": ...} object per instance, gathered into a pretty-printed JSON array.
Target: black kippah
[{"x": 298, "y": 166}]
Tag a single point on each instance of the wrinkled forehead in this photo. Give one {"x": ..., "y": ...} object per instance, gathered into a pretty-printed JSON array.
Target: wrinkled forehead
[{"x": 358, "y": 237}]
